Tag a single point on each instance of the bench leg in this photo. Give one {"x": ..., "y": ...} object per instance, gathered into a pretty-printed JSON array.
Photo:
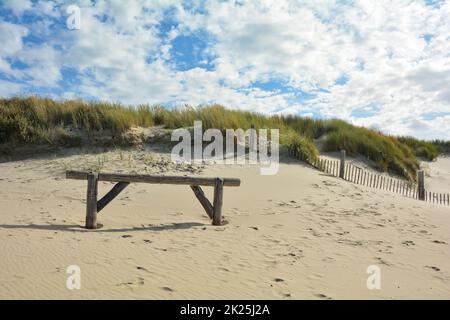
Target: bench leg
[
  {"x": 91, "y": 201},
  {"x": 203, "y": 201},
  {"x": 218, "y": 200},
  {"x": 114, "y": 192}
]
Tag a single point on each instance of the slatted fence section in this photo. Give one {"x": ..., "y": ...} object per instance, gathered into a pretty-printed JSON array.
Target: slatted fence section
[
  {"x": 358, "y": 175},
  {"x": 437, "y": 198}
]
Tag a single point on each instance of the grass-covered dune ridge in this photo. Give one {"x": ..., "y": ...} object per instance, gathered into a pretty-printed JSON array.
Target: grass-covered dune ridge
[{"x": 35, "y": 120}]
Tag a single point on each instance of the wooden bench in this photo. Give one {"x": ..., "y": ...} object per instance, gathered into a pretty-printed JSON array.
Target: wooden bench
[{"x": 214, "y": 211}]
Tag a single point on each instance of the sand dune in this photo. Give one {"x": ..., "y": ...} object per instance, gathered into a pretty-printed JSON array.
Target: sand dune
[
  {"x": 297, "y": 235},
  {"x": 437, "y": 174}
]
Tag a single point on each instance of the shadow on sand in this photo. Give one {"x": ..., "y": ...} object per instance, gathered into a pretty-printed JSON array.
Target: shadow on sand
[{"x": 79, "y": 228}]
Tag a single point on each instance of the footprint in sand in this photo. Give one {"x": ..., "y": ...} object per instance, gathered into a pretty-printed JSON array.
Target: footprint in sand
[
  {"x": 299, "y": 254},
  {"x": 329, "y": 183},
  {"x": 433, "y": 268},
  {"x": 176, "y": 214},
  {"x": 322, "y": 296},
  {"x": 386, "y": 250},
  {"x": 314, "y": 232},
  {"x": 350, "y": 242},
  {"x": 277, "y": 226},
  {"x": 379, "y": 225},
  {"x": 271, "y": 240},
  {"x": 328, "y": 259},
  {"x": 140, "y": 281},
  {"x": 142, "y": 268},
  {"x": 382, "y": 261}
]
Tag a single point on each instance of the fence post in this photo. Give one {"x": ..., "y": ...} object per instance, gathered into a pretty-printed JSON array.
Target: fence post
[
  {"x": 217, "y": 203},
  {"x": 342, "y": 167},
  {"x": 253, "y": 139},
  {"x": 91, "y": 200},
  {"x": 421, "y": 184}
]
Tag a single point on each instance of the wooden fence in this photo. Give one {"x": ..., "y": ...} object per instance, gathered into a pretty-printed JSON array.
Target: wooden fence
[{"x": 355, "y": 174}]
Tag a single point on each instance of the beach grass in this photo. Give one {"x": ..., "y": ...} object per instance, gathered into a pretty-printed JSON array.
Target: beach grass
[{"x": 33, "y": 120}]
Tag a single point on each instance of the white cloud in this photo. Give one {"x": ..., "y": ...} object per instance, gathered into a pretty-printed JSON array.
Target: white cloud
[
  {"x": 47, "y": 8},
  {"x": 8, "y": 88},
  {"x": 18, "y": 7},
  {"x": 11, "y": 38},
  {"x": 394, "y": 56}
]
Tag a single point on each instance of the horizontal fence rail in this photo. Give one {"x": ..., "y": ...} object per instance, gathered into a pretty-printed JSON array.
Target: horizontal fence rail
[
  {"x": 157, "y": 179},
  {"x": 361, "y": 176}
]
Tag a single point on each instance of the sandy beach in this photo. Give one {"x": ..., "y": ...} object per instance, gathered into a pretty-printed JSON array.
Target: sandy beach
[
  {"x": 300, "y": 234},
  {"x": 437, "y": 173},
  {"x": 349, "y": 100}
]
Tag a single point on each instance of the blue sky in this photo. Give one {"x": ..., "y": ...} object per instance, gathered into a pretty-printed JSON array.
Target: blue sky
[{"x": 379, "y": 64}]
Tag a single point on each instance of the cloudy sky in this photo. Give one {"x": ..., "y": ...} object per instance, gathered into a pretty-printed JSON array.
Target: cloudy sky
[{"x": 381, "y": 64}]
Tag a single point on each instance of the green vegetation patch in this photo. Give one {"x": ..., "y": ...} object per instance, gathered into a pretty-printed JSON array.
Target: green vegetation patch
[{"x": 42, "y": 120}]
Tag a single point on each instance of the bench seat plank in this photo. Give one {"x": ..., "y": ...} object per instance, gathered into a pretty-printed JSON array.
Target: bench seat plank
[{"x": 156, "y": 179}]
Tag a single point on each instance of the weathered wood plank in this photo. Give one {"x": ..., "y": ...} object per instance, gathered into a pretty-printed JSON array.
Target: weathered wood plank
[
  {"x": 342, "y": 165},
  {"x": 114, "y": 192},
  {"x": 218, "y": 201},
  {"x": 203, "y": 200},
  {"x": 156, "y": 179},
  {"x": 91, "y": 200}
]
